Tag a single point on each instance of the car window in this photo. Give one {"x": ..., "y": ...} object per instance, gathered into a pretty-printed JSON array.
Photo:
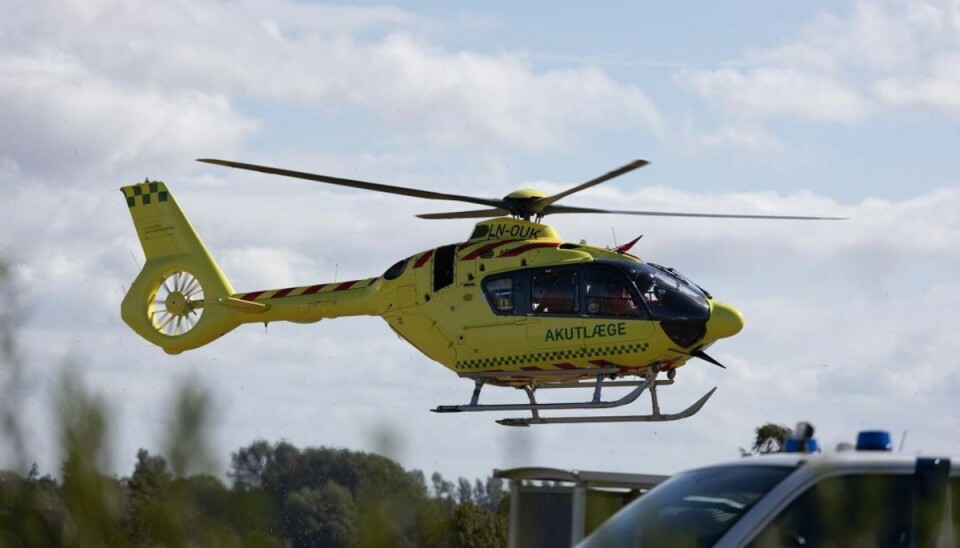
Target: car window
[
  {"x": 846, "y": 511},
  {"x": 690, "y": 509}
]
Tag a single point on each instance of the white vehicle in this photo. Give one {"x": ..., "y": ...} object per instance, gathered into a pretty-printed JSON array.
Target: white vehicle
[{"x": 863, "y": 497}]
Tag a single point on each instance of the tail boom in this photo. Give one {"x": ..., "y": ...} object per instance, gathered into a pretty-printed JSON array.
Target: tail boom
[{"x": 310, "y": 303}]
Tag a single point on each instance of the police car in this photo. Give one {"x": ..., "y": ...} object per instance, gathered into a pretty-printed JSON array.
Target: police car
[{"x": 865, "y": 496}]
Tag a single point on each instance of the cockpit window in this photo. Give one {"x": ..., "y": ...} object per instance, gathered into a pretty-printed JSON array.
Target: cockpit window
[
  {"x": 667, "y": 295},
  {"x": 555, "y": 292},
  {"x": 685, "y": 279},
  {"x": 608, "y": 293}
]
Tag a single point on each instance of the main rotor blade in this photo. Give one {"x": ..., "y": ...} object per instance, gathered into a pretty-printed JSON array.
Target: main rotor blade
[
  {"x": 568, "y": 209},
  {"x": 479, "y": 213},
  {"x": 377, "y": 187},
  {"x": 542, "y": 205}
]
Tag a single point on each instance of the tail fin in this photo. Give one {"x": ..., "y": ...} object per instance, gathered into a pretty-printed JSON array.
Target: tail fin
[{"x": 166, "y": 303}]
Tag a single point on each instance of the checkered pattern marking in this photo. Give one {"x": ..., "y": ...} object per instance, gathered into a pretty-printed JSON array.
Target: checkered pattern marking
[
  {"x": 145, "y": 193},
  {"x": 552, "y": 356}
]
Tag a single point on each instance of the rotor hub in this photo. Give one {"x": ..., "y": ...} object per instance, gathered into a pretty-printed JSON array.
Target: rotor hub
[
  {"x": 177, "y": 303},
  {"x": 525, "y": 194}
]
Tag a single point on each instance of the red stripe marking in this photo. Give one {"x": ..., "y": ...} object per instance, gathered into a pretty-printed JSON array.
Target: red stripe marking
[
  {"x": 524, "y": 248},
  {"x": 465, "y": 245},
  {"x": 565, "y": 366},
  {"x": 600, "y": 363},
  {"x": 345, "y": 285},
  {"x": 314, "y": 288},
  {"x": 282, "y": 293},
  {"x": 373, "y": 280},
  {"x": 423, "y": 259},
  {"x": 252, "y": 296},
  {"x": 483, "y": 249},
  {"x": 530, "y": 368}
]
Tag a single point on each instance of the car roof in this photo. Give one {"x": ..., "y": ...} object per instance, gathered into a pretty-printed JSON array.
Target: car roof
[{"x": 868, "y": 459}]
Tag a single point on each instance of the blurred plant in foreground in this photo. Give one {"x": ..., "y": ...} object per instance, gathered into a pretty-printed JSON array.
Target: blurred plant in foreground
[{"x": 281, "y": 496}]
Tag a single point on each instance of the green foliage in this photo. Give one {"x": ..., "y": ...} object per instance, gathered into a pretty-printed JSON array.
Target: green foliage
[
  {"x": 281, "y": 496},
  {"x": 478, "y": 527},
  {"x": 434, "y": 523},
  {"x": 322, "y": 517},
  {"x": 248, "y": 464},
  {"x": 769, "y": 438}
]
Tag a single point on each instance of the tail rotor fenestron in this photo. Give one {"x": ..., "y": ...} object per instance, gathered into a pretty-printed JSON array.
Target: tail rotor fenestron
[{"x": 178, "y": 304}]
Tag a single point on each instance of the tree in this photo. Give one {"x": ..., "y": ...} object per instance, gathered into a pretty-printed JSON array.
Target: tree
[
  {"x": 769, "y": 439},
  {"x": 464, "y": 491},
  {"x": 441, "y": 488},
  {"x": 326, "y": 516},
  {"x": 434, "y": 525},
  {"x": 488, "y": 494},
  {"x": 477, "y": 527},
  {"x": 248, "y": 463}
]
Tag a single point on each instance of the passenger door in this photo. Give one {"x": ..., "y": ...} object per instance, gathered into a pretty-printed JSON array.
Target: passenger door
[
  {"x": 553, "y": 315},
  {"x": 615, "y": 322}
]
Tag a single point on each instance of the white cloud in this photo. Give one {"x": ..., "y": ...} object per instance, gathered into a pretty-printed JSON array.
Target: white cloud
[
  {"x": 845, "y": 69},
  {"x": 939, "y": 90},
  {"x": 66, "y": 123},
  {"x": 160, "y": 81},
  {"x": 764, "y": 92},
  {"x": 743, "y": 137}
]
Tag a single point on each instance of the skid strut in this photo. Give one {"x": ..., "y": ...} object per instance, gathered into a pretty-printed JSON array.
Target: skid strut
[{"x": 541, "y": 379}]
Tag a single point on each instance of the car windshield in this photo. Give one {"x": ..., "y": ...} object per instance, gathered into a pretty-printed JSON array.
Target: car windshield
[
  {"x": 667, "y": 295},
  {"x": 691, "y": 509}
]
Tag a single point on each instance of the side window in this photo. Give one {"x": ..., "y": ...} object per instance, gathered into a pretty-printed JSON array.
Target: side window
[
  {"x": 955, "y": 505},
  {"x": 846, "y": 511},
  {"x": 555, "y": 292},
  {"x": 607, "y": 293},
  {"x": 500, "y": 294},
  {"x": 396, "y": 270},
  {"x": 443, "y": 261}
]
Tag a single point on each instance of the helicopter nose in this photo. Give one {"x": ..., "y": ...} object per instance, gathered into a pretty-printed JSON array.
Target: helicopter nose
[{"x": 725, "y": 321}]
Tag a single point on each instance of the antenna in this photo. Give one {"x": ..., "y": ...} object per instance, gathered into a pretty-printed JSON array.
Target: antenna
[
  {"x": 134, "y": 257},
  {"x": 903, "y": 439},
  {"x": 614, "y": 232},
  {"x": 336, "y": 268}
]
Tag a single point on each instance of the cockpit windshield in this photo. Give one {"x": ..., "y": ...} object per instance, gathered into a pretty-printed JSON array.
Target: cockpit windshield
[{"x": 668, "y": 295}]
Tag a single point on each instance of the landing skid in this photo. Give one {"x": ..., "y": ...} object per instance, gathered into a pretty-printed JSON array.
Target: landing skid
[{"x": 542, "y": 379}]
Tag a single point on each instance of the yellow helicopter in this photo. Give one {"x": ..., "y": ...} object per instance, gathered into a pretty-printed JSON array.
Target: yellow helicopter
[{"x": 512, "y": 305}]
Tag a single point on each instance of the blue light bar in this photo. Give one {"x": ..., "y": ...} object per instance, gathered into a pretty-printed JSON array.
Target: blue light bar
[
  {"x": 793, "y": 445},
  {"x": 874, "y": 440}
]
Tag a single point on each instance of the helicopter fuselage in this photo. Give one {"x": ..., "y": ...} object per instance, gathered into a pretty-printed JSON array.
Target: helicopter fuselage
[{"x": 516, "y": 297}]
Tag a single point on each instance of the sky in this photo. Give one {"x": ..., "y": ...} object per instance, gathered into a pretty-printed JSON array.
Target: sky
[{"x": 792, "y": 108}]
